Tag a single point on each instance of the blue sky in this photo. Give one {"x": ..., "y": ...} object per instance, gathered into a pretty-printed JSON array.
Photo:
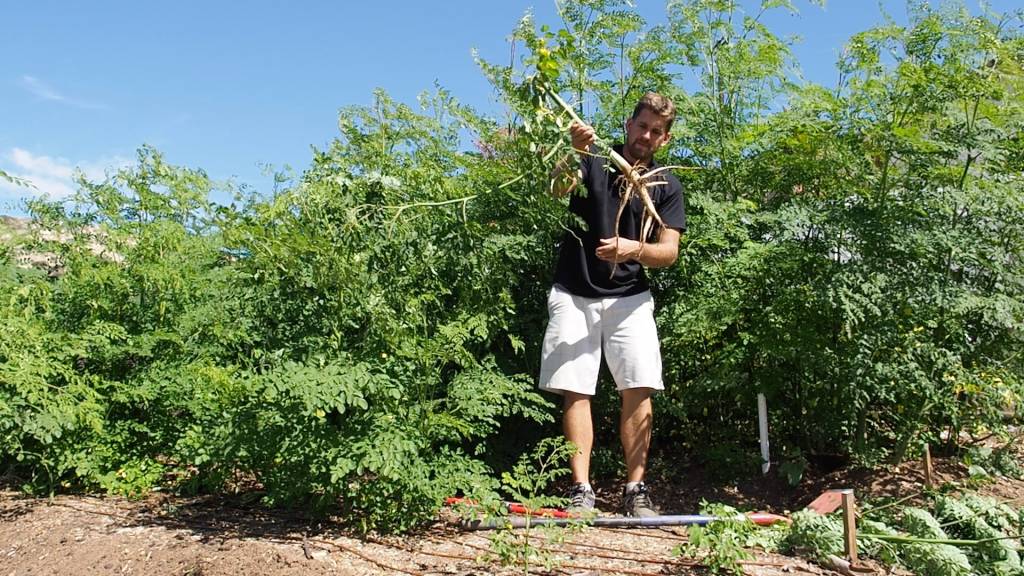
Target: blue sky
[{"x": 229, "y": 87}]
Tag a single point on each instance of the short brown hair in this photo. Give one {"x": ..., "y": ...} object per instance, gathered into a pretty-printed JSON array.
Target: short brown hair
[{"x": 659, "y": 105}]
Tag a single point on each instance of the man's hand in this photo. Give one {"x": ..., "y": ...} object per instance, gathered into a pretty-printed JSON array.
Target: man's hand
[
  {"x": 566, "y": 174},
  {"x": 654, "y": 255},
  {"x": 611, "y": 251},
  {"x": 582, "y": 136}
]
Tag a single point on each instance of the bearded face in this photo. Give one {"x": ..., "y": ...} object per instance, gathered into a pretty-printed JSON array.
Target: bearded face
[{"x": 645, "y": 134}]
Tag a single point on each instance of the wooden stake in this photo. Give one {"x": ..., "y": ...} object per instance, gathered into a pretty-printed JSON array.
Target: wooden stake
[
  {"x": 850, "y": 525},
  {"x": 928, "y": 480}
]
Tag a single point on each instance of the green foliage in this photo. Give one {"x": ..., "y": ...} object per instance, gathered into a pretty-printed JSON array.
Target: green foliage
[
  {"x": 996, "y": 514},
  {"x": 930, "y": 558},
  {"x": 920, "y": 523},
  {"x": 996, "y": 554},
  {"x": 535, "y": 472},
  {"x": 1001, "y": 460},
  {"x": 871, "y": 545},
  {"x": 366, "y": 336},
  {"x": 938, "y": 559},
  {"x": 728, "y": 462},
  {"x": 347, "y": 343},
  {"x": 852, "y": 255},
  {"x": 822, "y": 536},
  {"x": 815, "y": 535},
  {"x": 15, "y": 180},
  {"x": 965, "y": 535},
  {"x": 607, "y": 461},
  {"x": 526, "y": 483},
  {"x": 723, "y": 543},
  {"x": 793, "y": 467}
]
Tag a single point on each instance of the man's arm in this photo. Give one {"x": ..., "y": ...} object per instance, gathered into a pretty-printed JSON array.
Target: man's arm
[
  {"x": 566, "y": 175},
  {"x": 653, "y": 255}
]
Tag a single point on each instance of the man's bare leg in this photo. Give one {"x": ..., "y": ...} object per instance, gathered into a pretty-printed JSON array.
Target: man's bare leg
[
  {"x": 635, "y": 431},
  {"x": 578, "y": 428}
]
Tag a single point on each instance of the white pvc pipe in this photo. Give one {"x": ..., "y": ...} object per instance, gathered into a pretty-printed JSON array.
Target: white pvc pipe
[{"x": 762, "y": 425}]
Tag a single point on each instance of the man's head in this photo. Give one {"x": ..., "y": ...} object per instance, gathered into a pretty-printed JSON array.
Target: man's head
[{"x": 648, "y": 129}]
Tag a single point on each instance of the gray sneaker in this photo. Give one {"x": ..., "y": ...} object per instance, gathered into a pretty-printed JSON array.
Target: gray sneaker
[
  {"x": 637, "y": 502},
  {"x": 581, "y": 499}
]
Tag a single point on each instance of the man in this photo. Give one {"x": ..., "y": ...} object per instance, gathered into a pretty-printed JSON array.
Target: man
[{"x": 591, "y": 307}]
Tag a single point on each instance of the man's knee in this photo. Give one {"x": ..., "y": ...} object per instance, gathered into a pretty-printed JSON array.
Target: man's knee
[
  {"x": 636, "y": 396},
  {"x": 575, "y": 400}
]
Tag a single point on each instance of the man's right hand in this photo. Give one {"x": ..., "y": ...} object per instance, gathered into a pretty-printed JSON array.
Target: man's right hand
[
  {"x": 582, "y": 136},
  {"x": 566, "y": 174}
]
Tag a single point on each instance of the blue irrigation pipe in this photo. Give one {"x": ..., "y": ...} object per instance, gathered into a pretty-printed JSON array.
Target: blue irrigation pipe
[{"x": 613, "y": 521}]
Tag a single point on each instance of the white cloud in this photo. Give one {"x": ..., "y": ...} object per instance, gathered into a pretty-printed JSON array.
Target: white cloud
[
  {"x": 46, "y": 92},
  {"x": 52, "y": 176},
  {"x": 37, "y": 87},
  {"x": 41, "y": 165}
]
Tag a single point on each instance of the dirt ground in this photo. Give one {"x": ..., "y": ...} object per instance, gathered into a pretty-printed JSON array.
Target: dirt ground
[{"x": 164, "y": 535}]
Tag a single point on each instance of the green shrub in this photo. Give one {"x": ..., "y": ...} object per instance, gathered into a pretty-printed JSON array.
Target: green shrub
[{"x": 362, "y": 335}]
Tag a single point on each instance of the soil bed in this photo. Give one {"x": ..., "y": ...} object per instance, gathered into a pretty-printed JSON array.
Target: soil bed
[{"x": 164, "y": 535}]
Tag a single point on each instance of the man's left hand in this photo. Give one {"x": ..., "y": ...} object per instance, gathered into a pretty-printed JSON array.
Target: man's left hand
[{"x": 622, "y": 250}]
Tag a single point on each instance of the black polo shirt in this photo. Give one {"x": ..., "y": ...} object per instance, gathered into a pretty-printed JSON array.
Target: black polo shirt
[{"x": 579, "y": 270}]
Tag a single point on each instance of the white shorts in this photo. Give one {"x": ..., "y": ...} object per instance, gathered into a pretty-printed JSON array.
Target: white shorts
[{"x": 578, "y": 329}]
